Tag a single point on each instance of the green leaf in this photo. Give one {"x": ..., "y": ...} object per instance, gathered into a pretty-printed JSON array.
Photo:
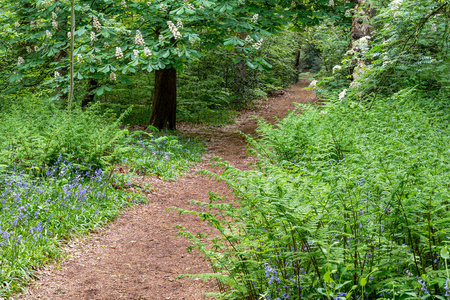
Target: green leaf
[
  {"x": 445, "y": 253},
  {"x": 363, "y": 281},
  {"x": 327, "y": 277}
]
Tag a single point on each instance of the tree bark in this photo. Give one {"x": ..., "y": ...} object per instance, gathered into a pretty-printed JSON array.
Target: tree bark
[
  {"x": 164, "y": 110},
  {"x": 360, "y": 28},
  {"x": 89, "y": 96}
]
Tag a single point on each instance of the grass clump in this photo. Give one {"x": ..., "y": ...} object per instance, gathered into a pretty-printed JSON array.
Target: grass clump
[{"x": 346, "y": 203}]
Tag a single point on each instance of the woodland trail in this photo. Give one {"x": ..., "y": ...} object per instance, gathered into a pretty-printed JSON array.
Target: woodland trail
[{"x": 138, "y": 255}]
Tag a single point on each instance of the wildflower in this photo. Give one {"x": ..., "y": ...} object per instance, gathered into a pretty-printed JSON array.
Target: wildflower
[
  {"x": 80, "y": 58},
  {"x": 138, "y": 39},
  {"x": 176, "y": 34},
  {"x": 160, "y": 38},
  {"x": 106, "y": 45},
  {"x": 69, "y": 35},
  {"x": 423, "y": 286},
  {"x": 313, "y": 84},
  {"x": 348, "y": 13},
  {"x": 323, "y": 112},
  {"x": 20, "y": 60},
  {"x": 57, "y": 74},
  {"x": 112, "y": 76},
  {"x": 342, "y": 94},
  {"x": 248, "y": 39},
  {"x": 147, "y": 52},
  {"x": 447, "y": 289},
  {"x": 48, "y": 34},
  {"x": 29, "y": 50},
  {"x": 254, "y": 18},
  {"x": 96, "y": 24},
  {"x": 331, "y": 3},
  {"x": 36, "y": 48},
  {"x": 336, "y": 68},
  {"x": 54, "y": 24},
  {"x": 119, "y": 53},
  {"x": 124, "y": 3},
  {"x": 54, "y": 15},
  {"x": 258, "y": 44},
  {"x": 16, "y": 24},
  {"x": 136, "y": 53},
  {"x": 93, "y": 37}
]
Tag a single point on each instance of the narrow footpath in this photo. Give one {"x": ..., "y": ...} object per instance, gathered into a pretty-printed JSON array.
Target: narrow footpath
[{"x": 139, "y": 256}]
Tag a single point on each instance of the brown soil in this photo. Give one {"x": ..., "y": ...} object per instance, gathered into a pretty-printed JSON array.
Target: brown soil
[{"x": 138, "y": 255}]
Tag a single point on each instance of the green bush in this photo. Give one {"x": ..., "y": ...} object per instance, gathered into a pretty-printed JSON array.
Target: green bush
[
  {"x": 36, "y": 133},
  {"x": 346, "y": 203}
]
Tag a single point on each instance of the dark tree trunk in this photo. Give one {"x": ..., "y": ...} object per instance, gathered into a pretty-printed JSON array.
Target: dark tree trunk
[
  {"x": 89, "y": 96},
  {"x": 164, "y": 110}
]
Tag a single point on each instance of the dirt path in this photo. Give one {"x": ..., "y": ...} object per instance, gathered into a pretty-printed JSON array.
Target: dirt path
[{"x": 138, "y": 255}]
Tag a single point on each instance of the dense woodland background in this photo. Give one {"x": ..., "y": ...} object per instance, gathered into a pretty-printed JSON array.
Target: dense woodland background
[{"x": 350, "y": 199}]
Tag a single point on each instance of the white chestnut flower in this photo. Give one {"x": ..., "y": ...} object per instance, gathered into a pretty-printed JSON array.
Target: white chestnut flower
[
  {"x": 29, "y": 50},
  {"x": 331, "y": 3},
  {"x": 106, "y": 45},
  {"x": 160, "y": 38},
  {"x": 138, "y": 39},
  {"x": 119, "y": 53},
  {"x": 93, "y": 37},
  {"x": 69, "y": 35},
  {"x": 54, "y": 15},
  {"x": 16, "y": 24},
  {"x": 54, "y": 24},
  {"x": 48, "y": 34},
  {"x": 57, "y": 74},
  {"x": 20, "y": 60},
  {"x": 147, "y": 52},
  {"x": 258, "y": 44},
  {"x": 336, "y": 68},
  {"x": 254, "y": 18},
  {"x": 80, "y": 58},
  {"x": 96, "y": 24},
  {"x": 433, "y": 27},
  {"x": 176, "y": 34},
  {"x": 248, "y": 39},
  {"x": 136, "y": 52},
  {"x": 112, "y": 76},
  {"x": 313, "y": 84},
  {"x": 163, "y": 7},
  {"x": 179, "y": 24},
  {"x": 36, "y": 48}
]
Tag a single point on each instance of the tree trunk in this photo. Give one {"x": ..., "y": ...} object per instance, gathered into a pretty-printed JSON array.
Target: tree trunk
[
  {"x": 164, "y": 110},
  {"x": 89, "y": 96},
  {"x": 361, "y": 28}
]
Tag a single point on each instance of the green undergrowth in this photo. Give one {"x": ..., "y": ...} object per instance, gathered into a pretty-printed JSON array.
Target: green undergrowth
[
  {"x": 163, "y": 155},
  {"x": 349, "y": 201},
  {"x": 57, "y": 179}
]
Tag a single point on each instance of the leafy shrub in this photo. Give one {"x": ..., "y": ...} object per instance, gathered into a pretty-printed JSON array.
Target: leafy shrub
[
  {"x": 346, "y": 203},
  {"x": 36, "y": 133}
]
